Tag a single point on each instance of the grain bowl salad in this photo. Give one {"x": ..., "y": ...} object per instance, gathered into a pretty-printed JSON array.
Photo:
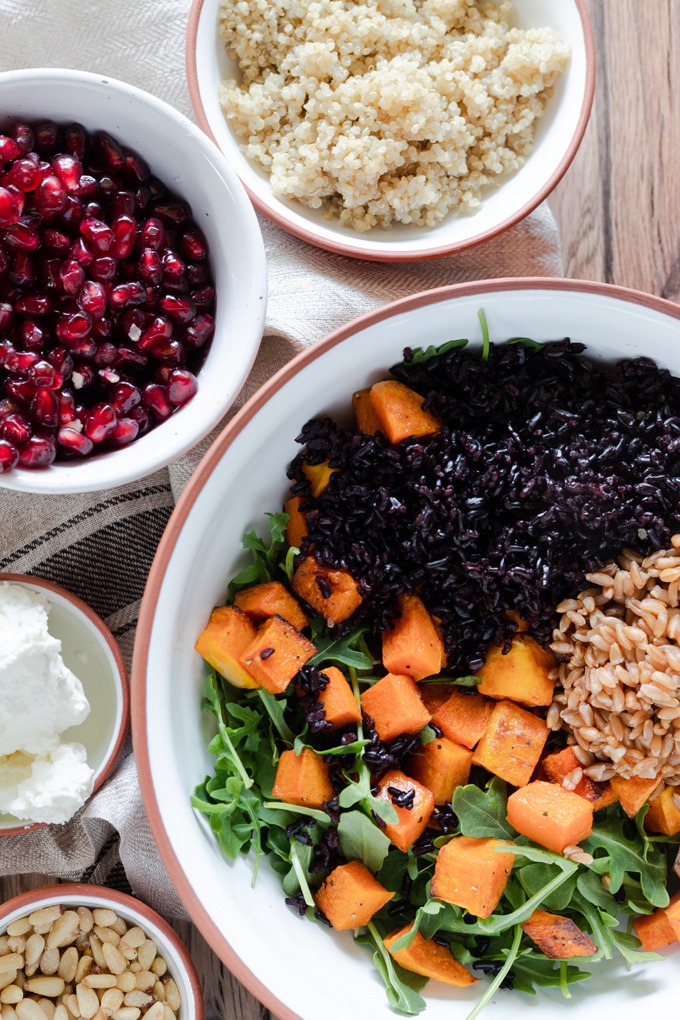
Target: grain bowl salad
[
  {"x": 446, "y": 685},
  {"x": 388, "y": 111}
]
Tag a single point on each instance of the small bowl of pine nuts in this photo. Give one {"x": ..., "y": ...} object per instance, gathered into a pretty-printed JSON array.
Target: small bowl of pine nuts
[{"x": 83, "y": 951}]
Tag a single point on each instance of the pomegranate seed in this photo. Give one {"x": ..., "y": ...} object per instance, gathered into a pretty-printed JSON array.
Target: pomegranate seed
[
  {"x": 34, "y": 304},
  {"x": 74, "y": 441},
  {"x": 102, "y": 328},
  {"x": 92, "y": 299},
  {"x": 109, "y": 376},
  {"x": 107, "y": 149},
  {"x": 150, "y": 267},
  {"x": 204, "y": 299},
  {"x": 173, "y": 214},
  {"x": 73, "y": 213},
  {"x": 19, "y": 362},
  {"x": 38, "y": 452},
  {"x": 152, "y": 234},
  {"x": 125, "y": 294},
  {"x": 123, "y": 204},
  {"x": 168, "y": 350},
  {"x": 69, "y": 170},
  {"x": 81, "y": 254},
  {"x": 23, "y": 136},
  {"x": 98, "y": 235},
  {"x": 159, "y": 329},
  {"x": 33, "y": 336},
  {"x": 100, "y": 422},
  {"x": 20, "y": 389},
  {"x": 67, "y": 407},
  {"x": 6, "y": 348},
  {"x": 10, "y": 211},
  {"x": 136, "y": 170},
  {"x": 75, "y": 140},
  {"x": 61, "y": 359},
  {"x": 86, "y": 347},
  {"x": 155, "y": 399},
  {"x": 142, "y": 198},
  {"x": 103, "y": 269},
  {"x": 133, "y": 322},
  {"x": 83, "y": 375},
  {"x": 142, "y": 418},
  {"x": 88, "y": 186},
  {"x": 174, "y": 268},
  {"x": 23, "y": 271},
  {"x": 46, "y": 135},
  {"x": 72, "y": 276},
  {"x": 57, "y": 241},
  {"x": 15, "y": 428},
  {"x": 105, "y": 355},
  {"x": 9, "y": 149},
  {"x": 74, "y": 327},
  {"x": 109, "y": 185},
  {"x": 24, "y": 174},
  {"x": 194, "y": 245},
  {"x": 45, "y": 408},
  {"x": 129, "y": 356},
  {"x": 6, "y": 316},
  {"x": 45, "y": 375},
  {"x": 126, "y": 431},
  {"x": 182, "y": 386},
  {"x": 197, "y": 275},
  {"x": 50, "y": 269},
  {"x": 125, "y": 397},
  {"x": 93, "y": 210},
  {"x": 125, "y": 234},
  {"x": 4, "y": 261},
  {"x": 51, "y": 197},
  {"x": 181, "y": 309},
  {"x": 200, "y": 331},
  {"x": 9, "y": 456},
  {"x": 22, "y": 237}
]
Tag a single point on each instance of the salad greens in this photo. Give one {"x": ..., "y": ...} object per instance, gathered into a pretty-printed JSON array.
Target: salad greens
[{"x": 627, "y": 876}]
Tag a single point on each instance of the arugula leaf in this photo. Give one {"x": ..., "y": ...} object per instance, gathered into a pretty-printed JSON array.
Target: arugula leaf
[
  {"x": 482, "y": 813},
  {"x": 486, "y": 343},
  {"x": 526, "y": 341},
  {"x": 402, "y": 986},
  {"x": 630, "y": 949},
  {"x": 420, "y": 355},
  {"x": 500, "y": 976},
  {"x": 536, "y": 876},
  {"x": 349, "y": 650},
  {"x": 268, "y": 558},
  {"x": 454, "y": 681},
  {"x": 623, "y": 856},
  {"x": 361, "y": 839}
]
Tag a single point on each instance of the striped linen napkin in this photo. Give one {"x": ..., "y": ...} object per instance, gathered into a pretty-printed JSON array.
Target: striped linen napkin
[{"x": 100, "y": 545}]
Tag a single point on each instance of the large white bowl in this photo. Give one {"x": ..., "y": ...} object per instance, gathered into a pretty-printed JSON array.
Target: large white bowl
[
  {"x": 184, "y": 159},
  {"x": 299, "y": 969},
  {"x": 558, "y": 137}
]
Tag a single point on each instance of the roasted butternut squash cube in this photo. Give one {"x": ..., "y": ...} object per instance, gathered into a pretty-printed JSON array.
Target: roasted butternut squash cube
[
  {"x": 673, "y": 913},
  {"x": 435, "y": 695},
  {"x": 276, "y": 654},
  {"x": 633, "y": 793},
  {"x": 228, "y": 634},
  {"x": 550, "y": 815},
  {"x": 350, "y": 896},
  {"x": 399, "y": 411},
  {"x": 558, "y": 937},
  {"x": 414, "y": 645},
  {"x": 303, "y": 779},
  {"x": 472, "y": 873},
  {"x": 430, "y": 959},
  {"x": 654, "y": 930},
  {"x": 397, "y": 788},
  {"x": 441, "y": 766},
  {"x": 318, "y": 476},
  {"x": 271, "y": 599},
  {"x": 332, "y": 593},
  {"x": 464, "y": 717},
  {"x": 663, "y": 815},
  {"x": 296, "y": 529},
  {"x": 521, "y": 674},
  {"x": 512, "y": 743},
  {"x": 395, "y": 706},
  {"x": 339, "y": 704},
  {"x": 365, "y": 418},
  {"x": 560, "y": 764}
]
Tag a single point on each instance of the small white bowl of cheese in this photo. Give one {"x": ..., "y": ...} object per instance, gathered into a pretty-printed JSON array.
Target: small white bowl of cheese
[{"x": 64, "y": 703}]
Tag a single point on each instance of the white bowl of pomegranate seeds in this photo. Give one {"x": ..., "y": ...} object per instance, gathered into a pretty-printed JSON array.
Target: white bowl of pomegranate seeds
[
  {"x": 84, "y": 950},
  {"x": 132, "y": 282}
]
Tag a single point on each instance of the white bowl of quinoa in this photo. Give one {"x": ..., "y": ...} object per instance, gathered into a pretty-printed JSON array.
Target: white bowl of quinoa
[{"x": 398, "y": 129}]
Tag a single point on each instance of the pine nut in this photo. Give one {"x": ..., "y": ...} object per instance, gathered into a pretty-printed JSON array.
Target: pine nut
[
  {"x": 27, "y": 1009},
  {"x": 64, "y": 931},
  {"x": 68, "y": 964},
  {"x": 126, "y": 981},
  {"x": 126, "y": 1013},
  {"x": 155, "y": 1012},
  {"x": 100, "y": 981},
  {"x": 85, "y": 919},
  {"x": 8, "y": 978},
  {"x": 47, "y": 986},
  {"x": 12, "y": 961},
  {"x": 104, "y": 916},
  {"x": 133, "y": 938},
  {"x": 11, "y": 994},
  {"x": 106, "y": 935},
  {"x": 112, "y": 999},
  {"x": 115, "y": 960},
  {"x": 88, "y": 1001},
  {"x": 172, "y": 996},
  {"x": 35, "y": 945},
  {"x": 43, "y": 916},
  {"x": 60, "y": 1013},
  {"x": 147, "y": 954},
  {"x": 22, "y": 926},
  {"x": 145, "y": 980},
  {"x": 48, "y": 1007},
  {"x": 49, "y": 961}
]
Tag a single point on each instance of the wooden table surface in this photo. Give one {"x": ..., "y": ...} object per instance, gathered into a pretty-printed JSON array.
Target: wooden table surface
[{"x": 618, "y": 208}]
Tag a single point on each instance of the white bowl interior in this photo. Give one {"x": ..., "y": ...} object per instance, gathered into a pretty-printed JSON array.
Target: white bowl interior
[
  {"x": 554, "y": 135},
  {"x": 165, "y": 947},
  {"x": 248, "y": 480},
  {"x": 187, "y": 162}
]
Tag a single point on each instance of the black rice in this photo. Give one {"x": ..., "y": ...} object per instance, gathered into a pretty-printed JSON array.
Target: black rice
[{"x": 547, "y": 464}]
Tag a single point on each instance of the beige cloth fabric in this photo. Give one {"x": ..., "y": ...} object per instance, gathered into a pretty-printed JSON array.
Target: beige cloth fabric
[{"x": 101, "y": 545}]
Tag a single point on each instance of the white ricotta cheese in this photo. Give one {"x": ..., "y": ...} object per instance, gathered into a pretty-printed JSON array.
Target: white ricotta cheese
[{"x": 41, "y": 778}]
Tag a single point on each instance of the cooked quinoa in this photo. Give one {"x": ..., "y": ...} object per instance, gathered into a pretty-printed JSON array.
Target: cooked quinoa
[{"x": 387, "y": 110}]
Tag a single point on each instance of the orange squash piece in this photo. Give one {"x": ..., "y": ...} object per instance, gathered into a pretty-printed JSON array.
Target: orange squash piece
[
  {"x": 339, "y": 704},
  {"x": 395, "y": 706},
  {"x": 228, "y": 634},
  {"x": 429, "y": 959},
  {"x": 633, "y": 793},
  {"x": 557, "y": 767},
  {"x": 296, "y": 529},
  {"x": 654, "y": 930},
  {"x": 412, "y": 821},
  {"x": 365, "y": 418},
  {"x": 303, "y": 779},
  {"x": 276, "y": 654},
  {"x": 522, "y": 625},
  {"x": 550, "y": 815},
  {"x": 521, "y": 674},
  {"x": 464, "y": 718},
  {"x": 441, "y": 766},
  {"x": 271, "y": 599},
  {"x": 558, "y": 937},
  {"x": 414, "y": 645},
  {"x": 472, "y": 873},
  {"x": 350, "y": 896},
  {"x": 318, "y": 476},
  {"x": 512, "y": 743},
  {"x": 332, "y": 593},
  {"x": 435, "y": 695},
  {"x": 399, "y": 410},
  {"x": 663, "y": 816},
  {"x": 673, "y": 914}
]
